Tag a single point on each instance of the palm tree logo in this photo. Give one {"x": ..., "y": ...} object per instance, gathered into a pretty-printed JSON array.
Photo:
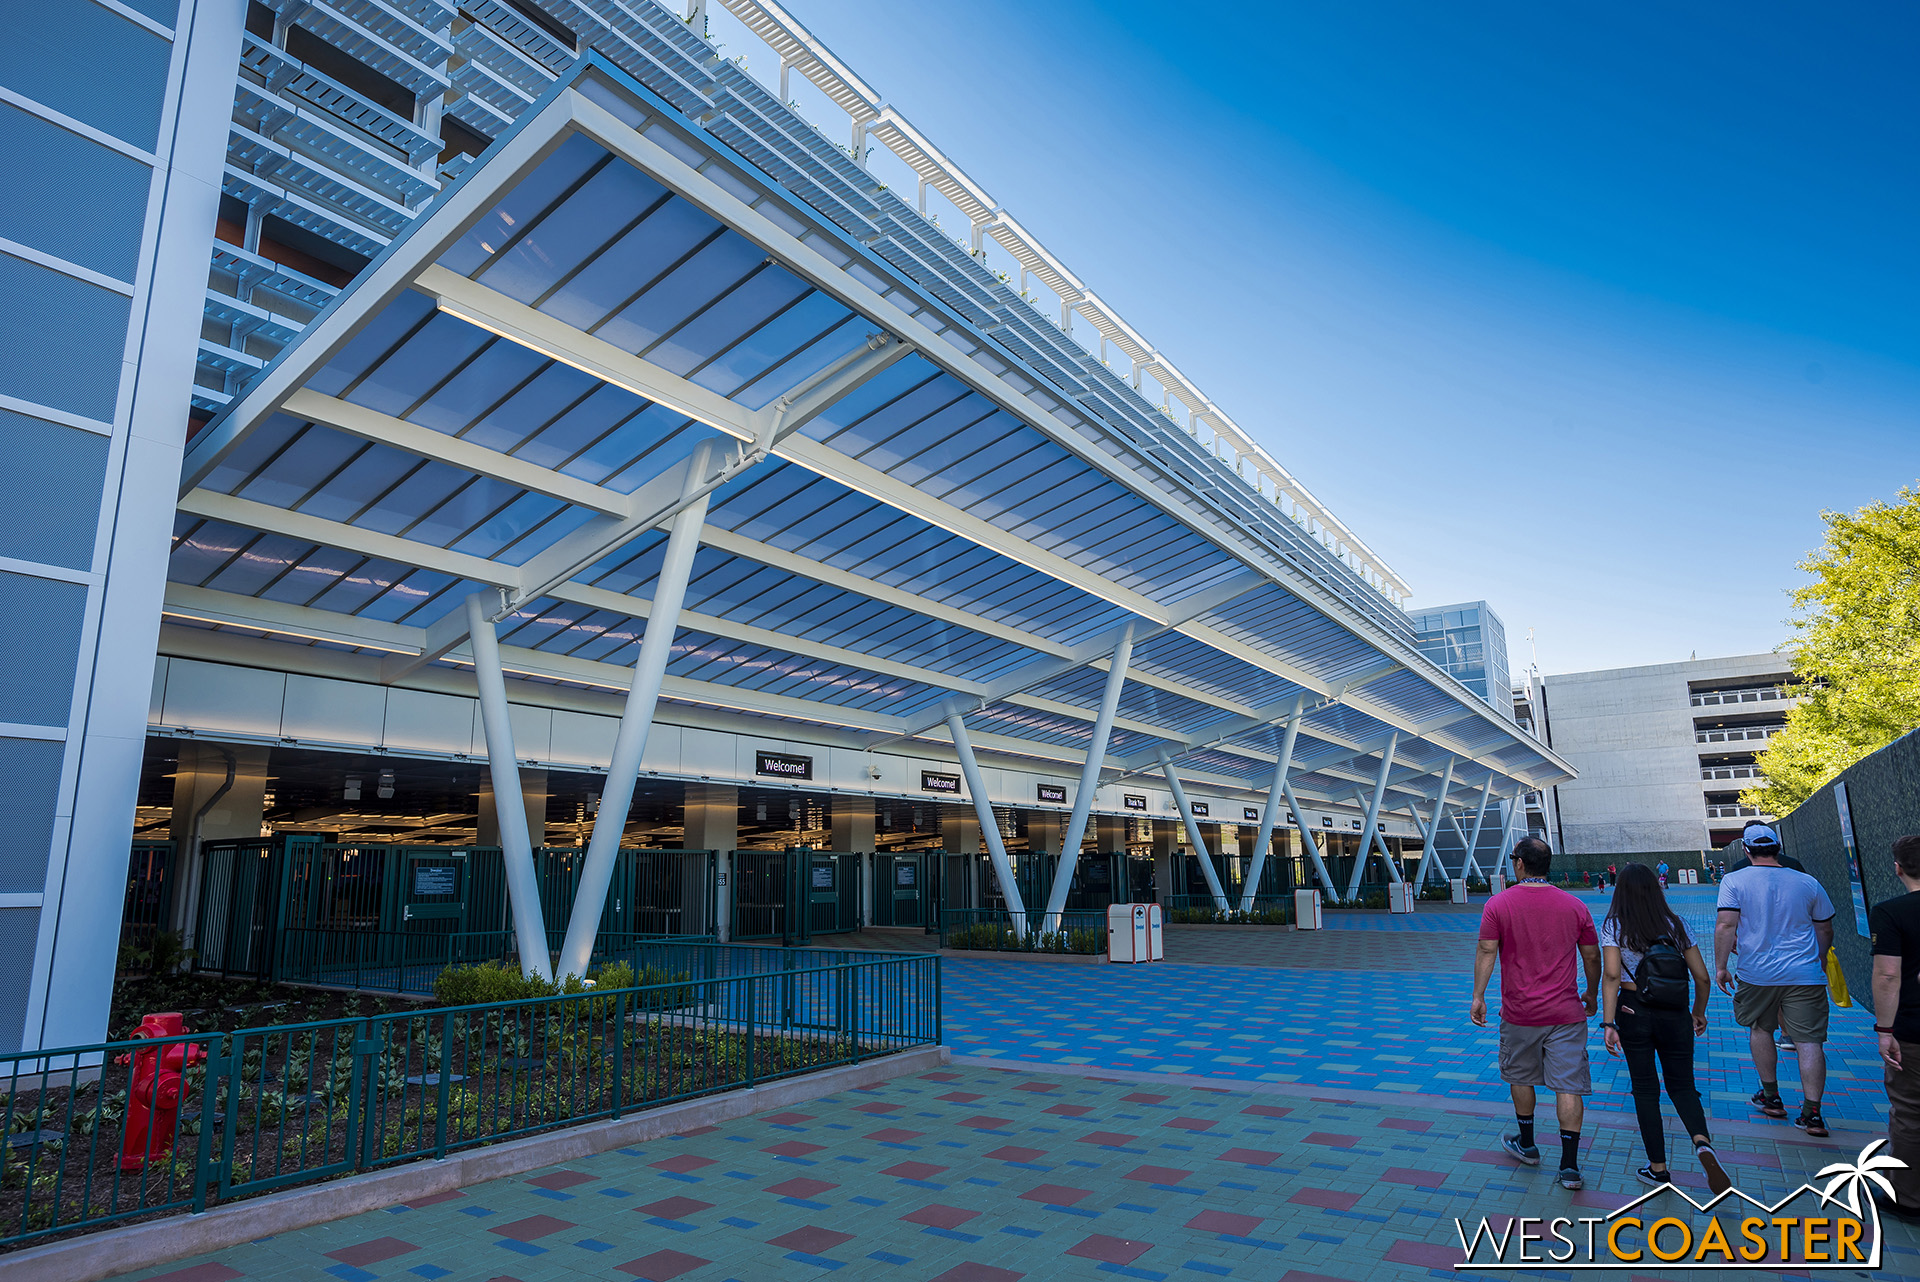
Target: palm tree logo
[{"x": 1862, "y": 1174}]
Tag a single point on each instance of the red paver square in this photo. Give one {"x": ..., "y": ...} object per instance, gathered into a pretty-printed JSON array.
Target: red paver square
[
  {"x": 1326, "y": 1199},
  {"x": 1487, "y": 1157},
  {"x": 894, "y": 1135},
  {"x": 381, "y": 1248},
  {"x": 1055, "y": 1195},
  {"x": 1107, "y": 1139},
  {"x": 939, "y": 1077},
  {"x": 1329, "y": 1140},
  {"x": 1042, "y": 1087},
  {"x": 1604, "y": 1201},
  {"x": 940, "y": 1217},
  {"x": 1265, "y": 1110},
  {"x": 1424, "y": 1254},
  {"x": 794, "y": 1119},
  {"x": 985, "y": 1123},
  {"x": 1142, "y": 1097},
  {"x": 1733, "y": 1157},
  {"x": 534, "y": 1226},
  {"x": 958, "y": 1097},
  {"x": 810, "y": 1240},
  {"x": 1403, "y": 1124},
  {"x": 1156, "y": 1174},
  {"x": 914, "y": 1171},
  {"x": 681, "y": 1163},
  {"x": 433, "y": 1199},
  {"x": 972, "y": 1272},
  {"x": 1189, "y": 1124},
  {"x": 793, "y": 1148},
  {"x": 800, "y": 1188},
  {"x": 878, "y": 1109},
  {"x": 1419, "y": 1179},
  {"x": 557, "y": 1180},
  {"x": 662, "y": 1266},
  {"x": 212, "y": 1272},
  {"x": 1109, "y": 1250},
  {"x": 674, "y": 1208},
  {"x": 1250, "y": 1156},
  {"x": 1070, "y": 1110},
  {"x": 1225, "y": 1222},
  {"x": 1014, "y": 1153}
]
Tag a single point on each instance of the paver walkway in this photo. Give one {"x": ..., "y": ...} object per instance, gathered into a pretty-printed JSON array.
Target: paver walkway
[{"x": 975, "y": 1175}]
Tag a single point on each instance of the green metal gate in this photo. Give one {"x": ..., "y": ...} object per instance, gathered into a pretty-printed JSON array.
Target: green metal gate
[
  {"x": 905, "y": 888},
  {"x": 237, "y": 921},
  {"x": 148, "y": 907}
]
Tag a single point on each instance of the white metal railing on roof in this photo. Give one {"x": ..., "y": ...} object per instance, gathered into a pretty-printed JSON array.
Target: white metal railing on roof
[
  {"x": 1735, "y": 812},
  {"x": 1731, "y": 772},
  {"x": 871, "y": 117}
]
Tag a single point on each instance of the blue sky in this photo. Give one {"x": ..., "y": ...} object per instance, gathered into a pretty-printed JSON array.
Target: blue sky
[{"x": 1586, "y": 310}]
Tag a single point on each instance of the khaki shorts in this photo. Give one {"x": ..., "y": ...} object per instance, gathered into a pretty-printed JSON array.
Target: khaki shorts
[
  {"x": 1799, "y": 1009},
  {"x": 1550, "y": 1055}
]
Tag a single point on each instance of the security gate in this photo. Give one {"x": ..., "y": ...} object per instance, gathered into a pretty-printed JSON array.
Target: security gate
[
  {"x": 905, "y": 888},
  {"x": 433, "y": 892}
]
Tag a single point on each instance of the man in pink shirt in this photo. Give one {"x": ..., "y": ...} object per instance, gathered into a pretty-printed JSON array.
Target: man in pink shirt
[{"x": 1537, "y": 931}]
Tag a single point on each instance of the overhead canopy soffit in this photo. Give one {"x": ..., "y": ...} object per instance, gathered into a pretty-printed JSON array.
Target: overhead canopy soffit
[{"x": 903, "y": 522}]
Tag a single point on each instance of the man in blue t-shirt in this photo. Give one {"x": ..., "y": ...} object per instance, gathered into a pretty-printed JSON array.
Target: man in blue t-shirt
[{"x": 1781, "y": 923}]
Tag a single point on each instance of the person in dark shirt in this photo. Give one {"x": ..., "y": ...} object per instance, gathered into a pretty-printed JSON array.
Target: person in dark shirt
[{"x": 1896, "y": 1017}]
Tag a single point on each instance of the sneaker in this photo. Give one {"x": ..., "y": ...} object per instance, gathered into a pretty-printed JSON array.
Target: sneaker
[
  {"x": 1659, "y": 1179},
  {"x": 1570, "y": 1178},
  {"x": 1529, "y": 1154},
  {"x": 1810, "y": 1120},
  {"x": 1771, "y": 1105},
  {"x": 1716, "y": 1174}
]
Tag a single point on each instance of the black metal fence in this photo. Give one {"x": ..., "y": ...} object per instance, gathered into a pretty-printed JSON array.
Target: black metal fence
[{"x": 95, "y": 1135}]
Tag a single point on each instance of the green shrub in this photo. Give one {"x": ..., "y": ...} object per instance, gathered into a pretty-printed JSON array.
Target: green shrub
[
  {"x": 987, "y": 935},
  {"x": 489, "y": 982}
]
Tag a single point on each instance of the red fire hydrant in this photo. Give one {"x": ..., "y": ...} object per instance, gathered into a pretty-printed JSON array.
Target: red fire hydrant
[{"x": 153, "y": 1094}]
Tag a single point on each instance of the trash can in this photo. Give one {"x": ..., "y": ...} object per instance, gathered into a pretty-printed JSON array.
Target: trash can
[
  {"x": 1400, "y": 897},
  {"x": 1156, "y": 934},
  {"x": 1498, "y": 882},
  {"x": 1459, "y": 888},
  {"x": 1306, "y": 910},
  {"x": 1127, "y": 932}
]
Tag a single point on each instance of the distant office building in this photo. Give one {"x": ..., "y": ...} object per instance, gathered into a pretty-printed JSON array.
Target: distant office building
[
  {"x": 1469, "y": 643},
  {"x": 1663, "y": 751}
]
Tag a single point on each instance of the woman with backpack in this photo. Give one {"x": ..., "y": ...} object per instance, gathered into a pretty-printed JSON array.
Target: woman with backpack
[{"x": 1648, "y": 960}]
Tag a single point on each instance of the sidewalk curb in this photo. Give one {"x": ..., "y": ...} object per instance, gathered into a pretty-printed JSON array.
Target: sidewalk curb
[{"x": 174, "y": 1237}]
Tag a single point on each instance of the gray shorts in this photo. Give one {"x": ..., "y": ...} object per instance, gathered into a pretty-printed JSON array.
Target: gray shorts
[
  {"x": 1550, "y": 1055},
  {"x": 1799, "y": 1009}
]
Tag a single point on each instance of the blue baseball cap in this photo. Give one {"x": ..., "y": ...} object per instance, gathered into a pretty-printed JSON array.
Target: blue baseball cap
[{"x": 1760, "y": 837}]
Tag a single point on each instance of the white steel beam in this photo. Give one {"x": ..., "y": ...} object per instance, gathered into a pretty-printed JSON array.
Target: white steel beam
[
  {"x": 1373, "y": 816},
  {"x": 989, "y": 826},
  {"x": 1311, "y": 841},
  {"x": 1270, "y": 813},
  {"x": 1431, "y": 830}
]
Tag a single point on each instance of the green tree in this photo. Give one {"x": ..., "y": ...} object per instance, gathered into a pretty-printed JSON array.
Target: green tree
[{"x": 1856, "y": 651}]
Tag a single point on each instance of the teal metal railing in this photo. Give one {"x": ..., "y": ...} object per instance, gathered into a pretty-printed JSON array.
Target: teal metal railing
[
  {"x": 992, "y": 930},
  {"x": 1267, "y": 910},
  {"x": 265, "y": 1108}
]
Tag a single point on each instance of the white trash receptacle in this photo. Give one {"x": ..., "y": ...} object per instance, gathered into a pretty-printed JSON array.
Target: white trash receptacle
[
  {"x": 1498, "y": 882},
  {"x": 1126, "y": 932},
  {"x": 1458, "y": 886},
  {"x": 1156, "y": 934},
  {"x": 1306, "y": 910},
  {"x": 1400, "y": 897}
]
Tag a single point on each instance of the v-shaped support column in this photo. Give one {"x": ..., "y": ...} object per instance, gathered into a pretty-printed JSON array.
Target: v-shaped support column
[
  {"x": 1432, "y": 830},
  {"x": 1089, "y": 778},
  {"x": 989, "y": 828},
  {"x": 516, "y": 848},
  {"x": 1193, "y": 832},
  {"x": 630, "y": 742},
  {"x": 1270, "y": 814},
  {"x": 1373, "y": 818}
]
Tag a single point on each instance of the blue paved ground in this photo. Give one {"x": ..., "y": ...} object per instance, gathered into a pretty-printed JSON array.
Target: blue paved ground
[{"x": 1384, "y": 1030}]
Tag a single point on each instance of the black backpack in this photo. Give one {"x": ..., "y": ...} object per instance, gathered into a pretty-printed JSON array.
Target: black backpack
[{"x": 1662, "y": 976}]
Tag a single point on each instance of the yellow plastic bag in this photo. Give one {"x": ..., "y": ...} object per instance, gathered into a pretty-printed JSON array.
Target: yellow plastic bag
[{"x": 1837, "y": 981}]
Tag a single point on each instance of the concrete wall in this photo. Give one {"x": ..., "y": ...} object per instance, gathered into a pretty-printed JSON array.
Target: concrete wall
[{"x": 1629, "y": 732}]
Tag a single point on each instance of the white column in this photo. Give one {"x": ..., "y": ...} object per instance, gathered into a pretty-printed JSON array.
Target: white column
[
  {"x": 1432, "y": 830},
  {"x": 989, "y": 829},
  {"x": 1472, "y": 854},
  {"x": 1193, "y": 831},
  {"x": 1312, "y": 842},
  {"x": 1263, "y": 842},
  {"x": 516, "y": 848},
  {"x": 1089, "y": 778},
  {"x": 630, "y": 743},
  {"x": 1373, "y": 816},
  {"x": 1513, "y": 809}
]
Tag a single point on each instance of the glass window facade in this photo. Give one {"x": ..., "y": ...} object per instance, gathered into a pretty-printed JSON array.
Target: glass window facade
[{"x": 1469, "y": 643}]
